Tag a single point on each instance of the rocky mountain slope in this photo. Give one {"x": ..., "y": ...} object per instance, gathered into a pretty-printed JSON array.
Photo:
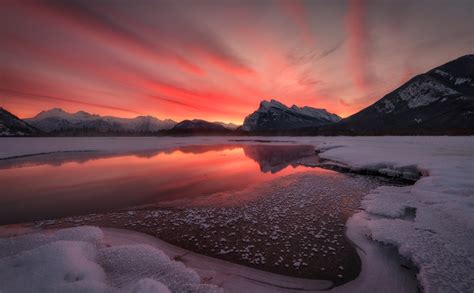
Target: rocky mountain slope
[
  {"x": 198, "y": 126},
  {"x": 440, "y": 101},
  {"x": 11, "y": 125},
  {"x": 274, "y": 116}
]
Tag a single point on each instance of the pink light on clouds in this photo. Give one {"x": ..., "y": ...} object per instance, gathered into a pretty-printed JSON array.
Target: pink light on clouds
[
  {"x": 217, "y": 60},
  {"x": 359, "y": 51}
]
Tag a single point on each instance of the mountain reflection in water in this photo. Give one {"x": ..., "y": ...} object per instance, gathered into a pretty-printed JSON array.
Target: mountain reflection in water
[{"x": 73, "y": 183}]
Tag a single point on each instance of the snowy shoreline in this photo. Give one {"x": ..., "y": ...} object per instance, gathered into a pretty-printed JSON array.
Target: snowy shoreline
[
  {"x": 436, "y": 237},
  {"x": 381, "y": 270}
]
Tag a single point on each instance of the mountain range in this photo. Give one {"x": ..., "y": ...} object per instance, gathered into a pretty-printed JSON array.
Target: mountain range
[
  {"x": 438, "y": 102},
  {"x": 58, "y": 121},
  {"x": 198, "y": 126}
]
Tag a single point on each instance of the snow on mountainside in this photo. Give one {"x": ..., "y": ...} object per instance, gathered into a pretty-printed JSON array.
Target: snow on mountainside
[
  {"x": 316, "y": 113},
  {"x": 58, "y": 120},
  {"x": 440, "y": 101},
  {"x": 60, "y": 113},
  {"x": 273, "y": 115},
  {"x": 230, "y": 126},
  {"x": 141, "y": 123},
  {"x": 10, "y": 125},
  {"x": 424, "y": 91}
]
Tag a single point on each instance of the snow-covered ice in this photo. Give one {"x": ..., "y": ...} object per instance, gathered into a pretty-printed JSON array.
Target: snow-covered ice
[
  {"x": 438, "y": 238},
  {"x": 78, "y": 260}
]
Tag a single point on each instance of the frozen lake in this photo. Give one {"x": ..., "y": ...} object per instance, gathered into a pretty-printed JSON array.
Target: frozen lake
[
  {"x": 430, "y": 222},
  {"x": 259, "y": 205}
]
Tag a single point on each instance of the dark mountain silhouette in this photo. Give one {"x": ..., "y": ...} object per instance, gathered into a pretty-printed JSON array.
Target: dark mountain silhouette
[
  {"x": 197, "y": 127},
  {"x": 440, "y": 101},
  {"x": 11, "y": 125}
]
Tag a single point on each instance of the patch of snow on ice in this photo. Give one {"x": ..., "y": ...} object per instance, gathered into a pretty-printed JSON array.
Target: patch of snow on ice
[
  {"x": 77, "y": 260},
  {"x": 148, "y": 286},
  {"x": 126, "y": 263},
  {"x": 61, "y": 266},
  {"x": 16, "y": 245}
]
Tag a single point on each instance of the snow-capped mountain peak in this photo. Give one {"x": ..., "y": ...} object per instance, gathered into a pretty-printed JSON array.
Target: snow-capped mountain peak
[
  {"x": 60, "y": 113},
  {"x": 265, "y": 105},
  {"x": 54, "y": 112},
  {"x": 316, "y": 112},
  {"x": 273, "y": 115}
]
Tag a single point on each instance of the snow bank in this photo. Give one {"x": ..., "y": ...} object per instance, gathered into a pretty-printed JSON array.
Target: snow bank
[
  {"x": 431, "y": 222},
  {"x": 381, "y": 267},
  {"x": 78, "y": 260}
]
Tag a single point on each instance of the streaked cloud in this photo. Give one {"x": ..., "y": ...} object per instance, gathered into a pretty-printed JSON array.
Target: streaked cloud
[{"x": 215, "y": 59}]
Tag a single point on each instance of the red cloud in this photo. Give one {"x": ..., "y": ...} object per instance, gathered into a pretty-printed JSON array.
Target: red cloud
[
  {"x": 91, "y": 25},
  {"x": 358, "y": 44}
]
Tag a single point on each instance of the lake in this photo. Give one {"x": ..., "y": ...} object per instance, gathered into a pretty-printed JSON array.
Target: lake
[
  {"x": 261, "y": 205},
  {"x": 73, "y": 183}
]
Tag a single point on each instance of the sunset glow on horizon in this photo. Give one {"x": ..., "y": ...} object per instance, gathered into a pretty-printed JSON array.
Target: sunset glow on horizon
[{"x": 216, "y": 60}]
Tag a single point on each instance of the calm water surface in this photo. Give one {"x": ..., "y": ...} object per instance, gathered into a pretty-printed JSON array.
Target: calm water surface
[
  {"x": 64, "y": 184},
  {"x": 256, "y": 205}
]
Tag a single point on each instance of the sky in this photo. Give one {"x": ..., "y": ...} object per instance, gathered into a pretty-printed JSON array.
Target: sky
[{"x": 217, "y": 59}]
